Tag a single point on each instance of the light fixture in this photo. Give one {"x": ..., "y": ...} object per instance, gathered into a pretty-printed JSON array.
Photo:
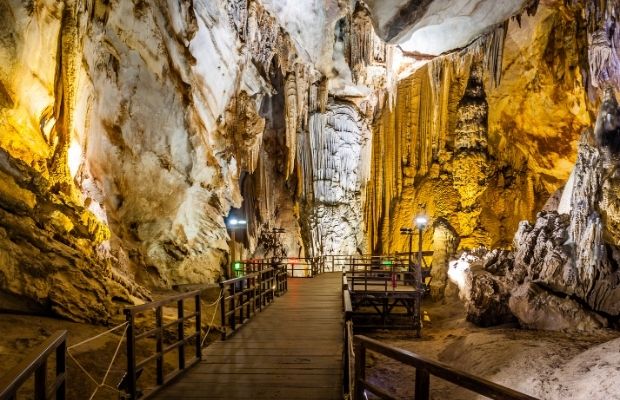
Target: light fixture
[
  {"x": 235, "y": 222},
  {"x": 421, "y": 221}
]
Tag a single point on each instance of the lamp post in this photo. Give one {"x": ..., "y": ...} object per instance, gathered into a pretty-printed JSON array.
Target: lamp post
[
  {"x": 233, "y": 225},
  {"x": 421, "y": 221},
  {"x": 408, "y": 232}
]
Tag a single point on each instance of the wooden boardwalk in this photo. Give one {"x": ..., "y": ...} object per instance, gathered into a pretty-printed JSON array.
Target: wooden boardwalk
[{"x": 291, "y": 350}]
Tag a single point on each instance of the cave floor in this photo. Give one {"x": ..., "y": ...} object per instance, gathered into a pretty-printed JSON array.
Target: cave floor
[
  {"x": 21, "y": 333},
  {"x": 547, "y": 365}
]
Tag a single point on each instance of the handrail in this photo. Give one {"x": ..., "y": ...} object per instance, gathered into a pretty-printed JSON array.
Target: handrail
[
  {"x": 308, "y": 266},
  {"x": 246, "y": 295},
  {"x": 36, "y": 363},
  {"x": 134, "y": 366},
  {"x": 424, "y": 368}
]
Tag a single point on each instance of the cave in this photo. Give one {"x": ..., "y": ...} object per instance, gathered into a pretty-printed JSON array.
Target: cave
[{"x": 210, "y": 178}]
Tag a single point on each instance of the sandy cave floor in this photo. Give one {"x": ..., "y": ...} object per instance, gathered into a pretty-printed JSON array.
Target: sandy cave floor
[
  {"x": 547, "y": 365},
  {"x": 19, "y": 334}
]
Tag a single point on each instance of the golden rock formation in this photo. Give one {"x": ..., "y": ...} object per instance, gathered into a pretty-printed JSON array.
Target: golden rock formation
[{"x": 482, "y": 150}]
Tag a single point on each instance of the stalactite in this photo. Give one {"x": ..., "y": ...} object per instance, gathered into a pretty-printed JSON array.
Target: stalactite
[
  {"x": 238, "y": 14},
  {"x": 410, "y": 138},
  {"x": 494, "y": 52},
  {"x": 601, "y": 20},
  {"x": 365, "y": 47},
  {"x": 69, "y": 48},
  {"x": 291, "y": 121},
  {"x": 471, "y": 171}
]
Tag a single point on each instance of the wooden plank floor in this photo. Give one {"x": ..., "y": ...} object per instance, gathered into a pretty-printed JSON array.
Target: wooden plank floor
[{"x": 291, "y": 350}]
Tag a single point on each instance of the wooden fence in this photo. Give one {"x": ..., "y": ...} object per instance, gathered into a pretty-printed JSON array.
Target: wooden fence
[
  {"x": 135, "y": 367},
  {"x": 36, "y": 363}
]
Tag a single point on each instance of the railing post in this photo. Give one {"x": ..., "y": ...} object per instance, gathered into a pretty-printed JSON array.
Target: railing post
[
  {"x": 360, "y": 369},
  {"x": 181, "y": 333},
  {"x": 233, "y": 308},
  {"x": 347, "y": 360},
  {"x": 422, "y": 384},
  {"x": 131, "y": 356},
  {"x": 40, "y": 381},
  {"x": 242, "y": 284},
  {"x": 159, "y": 345},
  {"x": 198, "y": 307},
  {"x": 61, "y": 369},
  {"x": 223, "y": 309},
  {"x": 260, "y": 287}
]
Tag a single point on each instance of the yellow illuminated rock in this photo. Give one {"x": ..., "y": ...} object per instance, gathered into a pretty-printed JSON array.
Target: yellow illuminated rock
[{"x": 503, "y": 162}]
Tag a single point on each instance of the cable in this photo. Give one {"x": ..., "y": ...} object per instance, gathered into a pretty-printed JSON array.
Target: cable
[
  {"x": 97, "y": 336},
  {"x": 105, "y": 377},
  {"x": 217, "y": 306}
]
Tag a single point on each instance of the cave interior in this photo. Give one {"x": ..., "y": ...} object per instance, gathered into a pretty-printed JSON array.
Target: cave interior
[{"x": 151, "y": 147}]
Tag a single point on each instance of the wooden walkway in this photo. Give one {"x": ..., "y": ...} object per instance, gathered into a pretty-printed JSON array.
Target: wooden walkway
[{"x": 291, "y": 350}]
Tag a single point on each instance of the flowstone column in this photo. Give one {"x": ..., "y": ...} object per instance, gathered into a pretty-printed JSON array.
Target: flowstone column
[
  {"x": 471, "y": 169},
  {"x": 338, "y": 140}
]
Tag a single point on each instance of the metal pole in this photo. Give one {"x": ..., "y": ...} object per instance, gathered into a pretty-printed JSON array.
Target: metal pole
[
  {"x": 419, "y": 269},
  {"x": 232, "y": 254},
  {"x": 410, "y": 254}
]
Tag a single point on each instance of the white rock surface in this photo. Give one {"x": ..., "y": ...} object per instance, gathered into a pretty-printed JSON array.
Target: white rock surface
[{"x": 433, "y": 27}]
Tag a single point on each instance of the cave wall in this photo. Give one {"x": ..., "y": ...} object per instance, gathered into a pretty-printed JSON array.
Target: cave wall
[
  {"x": 126, "y": 130},
  {"x": 482, "y": 137},
  {"x": 130, "y": 130}
]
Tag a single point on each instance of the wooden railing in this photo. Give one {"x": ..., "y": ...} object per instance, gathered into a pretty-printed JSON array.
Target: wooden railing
[
  {"x": 135, "y": 367},
  {"x": 424, "y": 368},
  {"x": 381, "y": 281},
  {"x": 303, "y": 267},
  {"x": 36, "y": 363},
  {"x": 245, "y": 296},
  {"x": 380, "y": 275},
  {"x": 308, "y": 267},
  {"x": 348, "y": 357}
]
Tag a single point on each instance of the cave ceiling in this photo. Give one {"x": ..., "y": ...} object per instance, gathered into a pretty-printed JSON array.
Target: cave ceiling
[{"x": 433, "y": 27}]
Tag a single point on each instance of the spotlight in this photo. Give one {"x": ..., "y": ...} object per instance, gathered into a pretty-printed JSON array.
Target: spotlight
[{"x": 421, "y": 221}]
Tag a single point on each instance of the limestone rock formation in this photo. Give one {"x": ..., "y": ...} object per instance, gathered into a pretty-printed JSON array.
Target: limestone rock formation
[
  {"x": 338, "y": 146},
  {"x": 536, "y": 308},
  {"x": 131, "y": 130},
  {"x": 564, "y": 274},
  {"x": 51, "y": 254},
  {"x": 445, "y": 243},
  {"x": 483, "y": 282},
  {"x": 436, "y": 26},
  {"x": 483, "y": 171}
]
